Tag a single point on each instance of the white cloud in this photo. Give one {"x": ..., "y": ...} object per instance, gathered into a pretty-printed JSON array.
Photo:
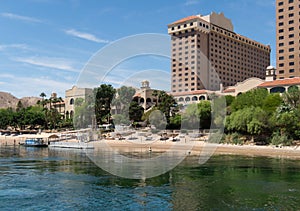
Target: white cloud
[
  {"x": 5, "y": 75},
  {"x": 34, "y": 86},
  {"x": 56, "y": 63},
  {"x": 18, "y": 46},
  {"x": 191, "y": 2},
  {"x": 85, "y": 36},
  {"x": 20, "y": 17}
]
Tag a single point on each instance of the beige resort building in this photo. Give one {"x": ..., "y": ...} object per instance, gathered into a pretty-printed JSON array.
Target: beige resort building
[
  {"x": 206, "y": 52},
  {"x": 144, "y": 96},
  {"x": 270, "y": 83},
  {"x": 71, "y": 95}
]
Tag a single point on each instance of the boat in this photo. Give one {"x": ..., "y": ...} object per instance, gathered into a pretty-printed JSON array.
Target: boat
[
  {"x": 76, "y": 145},
  {"x": 35, "y": 142}
]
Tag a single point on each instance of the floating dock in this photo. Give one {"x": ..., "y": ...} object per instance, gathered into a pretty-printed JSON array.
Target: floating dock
[{"x": 75, "y": 145}]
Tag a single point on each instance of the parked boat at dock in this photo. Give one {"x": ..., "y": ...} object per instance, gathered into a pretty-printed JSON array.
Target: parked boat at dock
[{"x": 35, "y": 142}]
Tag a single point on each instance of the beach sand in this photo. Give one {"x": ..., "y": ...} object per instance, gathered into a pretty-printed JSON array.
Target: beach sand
[{"x": 196, "y": 148}]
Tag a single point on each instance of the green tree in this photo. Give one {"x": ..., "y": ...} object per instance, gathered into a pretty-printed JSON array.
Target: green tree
[
  {"x": 272, "y": 102},
  {"x": 197, "y": 116},
  {"x": 43, "y": 95},
  {"x": 292, "y": 97},
  {"x": 122, "y": 102},
  {"x": 135, "y": 112},
  {"x": 287, "y": 121},
  {"x": 6, "y": 117},
  {"x": 19, "y": 106},
  {"x": 84, "y": 115},
  {"x": 158, "y": 120},
  {"x": 254, "y": 98},
  {"x": 250, "y": 120},
  {"x": 166, "y": 104},
  {"x": 229, "y": 99},
  {"x": 103, "y": 98},
  {"x": 34, "y": 116},
  {"x": 175, "y": 122}
]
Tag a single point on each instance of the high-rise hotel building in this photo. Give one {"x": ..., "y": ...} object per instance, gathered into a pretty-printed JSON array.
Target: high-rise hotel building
[
  {"x": 206, "y": 52},
  {"x": 287, "y": 38}
]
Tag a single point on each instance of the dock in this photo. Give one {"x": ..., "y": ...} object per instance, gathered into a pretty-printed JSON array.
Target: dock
[{"x": 74, "y": 145}]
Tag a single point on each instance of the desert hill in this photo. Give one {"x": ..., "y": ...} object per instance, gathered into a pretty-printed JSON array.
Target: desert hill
[{"x": 7, "y": 100}]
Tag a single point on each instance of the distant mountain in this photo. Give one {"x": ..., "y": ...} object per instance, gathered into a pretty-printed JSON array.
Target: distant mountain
[{"x": 8, "y": 100}]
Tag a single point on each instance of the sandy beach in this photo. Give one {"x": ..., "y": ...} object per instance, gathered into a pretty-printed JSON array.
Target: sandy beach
[
  {"x": 196, "y": 148},
  {"x": 200, "y": 148}
]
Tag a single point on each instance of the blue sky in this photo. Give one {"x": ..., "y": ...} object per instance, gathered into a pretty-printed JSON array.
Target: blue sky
[{"x": 45, "y": 44}]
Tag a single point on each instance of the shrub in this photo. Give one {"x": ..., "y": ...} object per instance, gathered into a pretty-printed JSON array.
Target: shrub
[{"x": 278, "y": 139}]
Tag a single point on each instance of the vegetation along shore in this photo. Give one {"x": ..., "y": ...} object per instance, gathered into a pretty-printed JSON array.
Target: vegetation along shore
[{"x": 256, "y": 117}]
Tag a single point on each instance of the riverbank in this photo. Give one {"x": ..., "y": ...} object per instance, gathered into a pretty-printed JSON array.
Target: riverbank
[
  {"x": 10, "y": 140},
  {"x": 198, "y": 148}
]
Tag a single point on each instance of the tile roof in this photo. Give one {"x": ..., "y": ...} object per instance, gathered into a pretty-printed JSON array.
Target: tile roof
[
  {"x": 229, "y": 90},
  {"x": 185, "y": 19},
  {"x": 137, "y": 95},
  {"x": 281, "y": 82}
]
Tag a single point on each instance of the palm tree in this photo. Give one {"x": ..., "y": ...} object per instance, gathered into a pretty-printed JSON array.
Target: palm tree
[
  {"x": 43, "y": 95},
  {"x": 292, "y": 97}
]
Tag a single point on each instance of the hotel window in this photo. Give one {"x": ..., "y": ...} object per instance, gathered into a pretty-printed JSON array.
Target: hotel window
[
  {"x": 291, "y": 43},
  {"x": 281, "y": 51},
  {"x": 291, "y": 15},
  {"x": 281, "y": 71},
  {"x": 280, "y": 24},
  {"x": 279, "y": 17},
  {"x": 291, "y": 29},
  {"x": 281, "y": 57},
  {"x": 291, "y": 35},
  {"x": 281, "y": 64},
  {"x": 291, "y": 56},
  {"x": 280, "y": 30},
  {"x": 291, "y": 49},
  {"x": 291, "y": 22},
  {"x": 291, "y": 1},
  {"x": 280, "y": 10},
  {"x": 281, "y": 37},
  {"x": 291, "y": 70},
  {"x": 291, "y": 63},
  {"x": 291, "y": 8},
  {"x": 281, "y": 44},
  {"x": 280, "y": 3}
]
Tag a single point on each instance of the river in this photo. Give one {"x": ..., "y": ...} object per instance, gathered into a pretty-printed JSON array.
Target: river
[{"x": 52, "y": 179}]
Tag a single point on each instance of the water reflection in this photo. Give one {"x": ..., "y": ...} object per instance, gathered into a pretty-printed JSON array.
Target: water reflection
[{"x": 66, "y": 179}]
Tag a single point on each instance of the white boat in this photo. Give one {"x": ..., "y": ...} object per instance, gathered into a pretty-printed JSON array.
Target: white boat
[{"x": 76, "y": 145}]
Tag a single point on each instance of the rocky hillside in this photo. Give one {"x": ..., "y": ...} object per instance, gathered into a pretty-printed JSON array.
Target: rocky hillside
[{"x": 8, "y": 100}]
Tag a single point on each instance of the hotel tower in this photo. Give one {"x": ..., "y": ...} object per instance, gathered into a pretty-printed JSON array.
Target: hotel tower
[
  {"x": 287, "y": 38},
  {"x": 206, "y": 52}
]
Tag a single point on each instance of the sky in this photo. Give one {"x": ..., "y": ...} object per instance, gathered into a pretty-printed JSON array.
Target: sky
[{"x": 46, "y": 45}]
